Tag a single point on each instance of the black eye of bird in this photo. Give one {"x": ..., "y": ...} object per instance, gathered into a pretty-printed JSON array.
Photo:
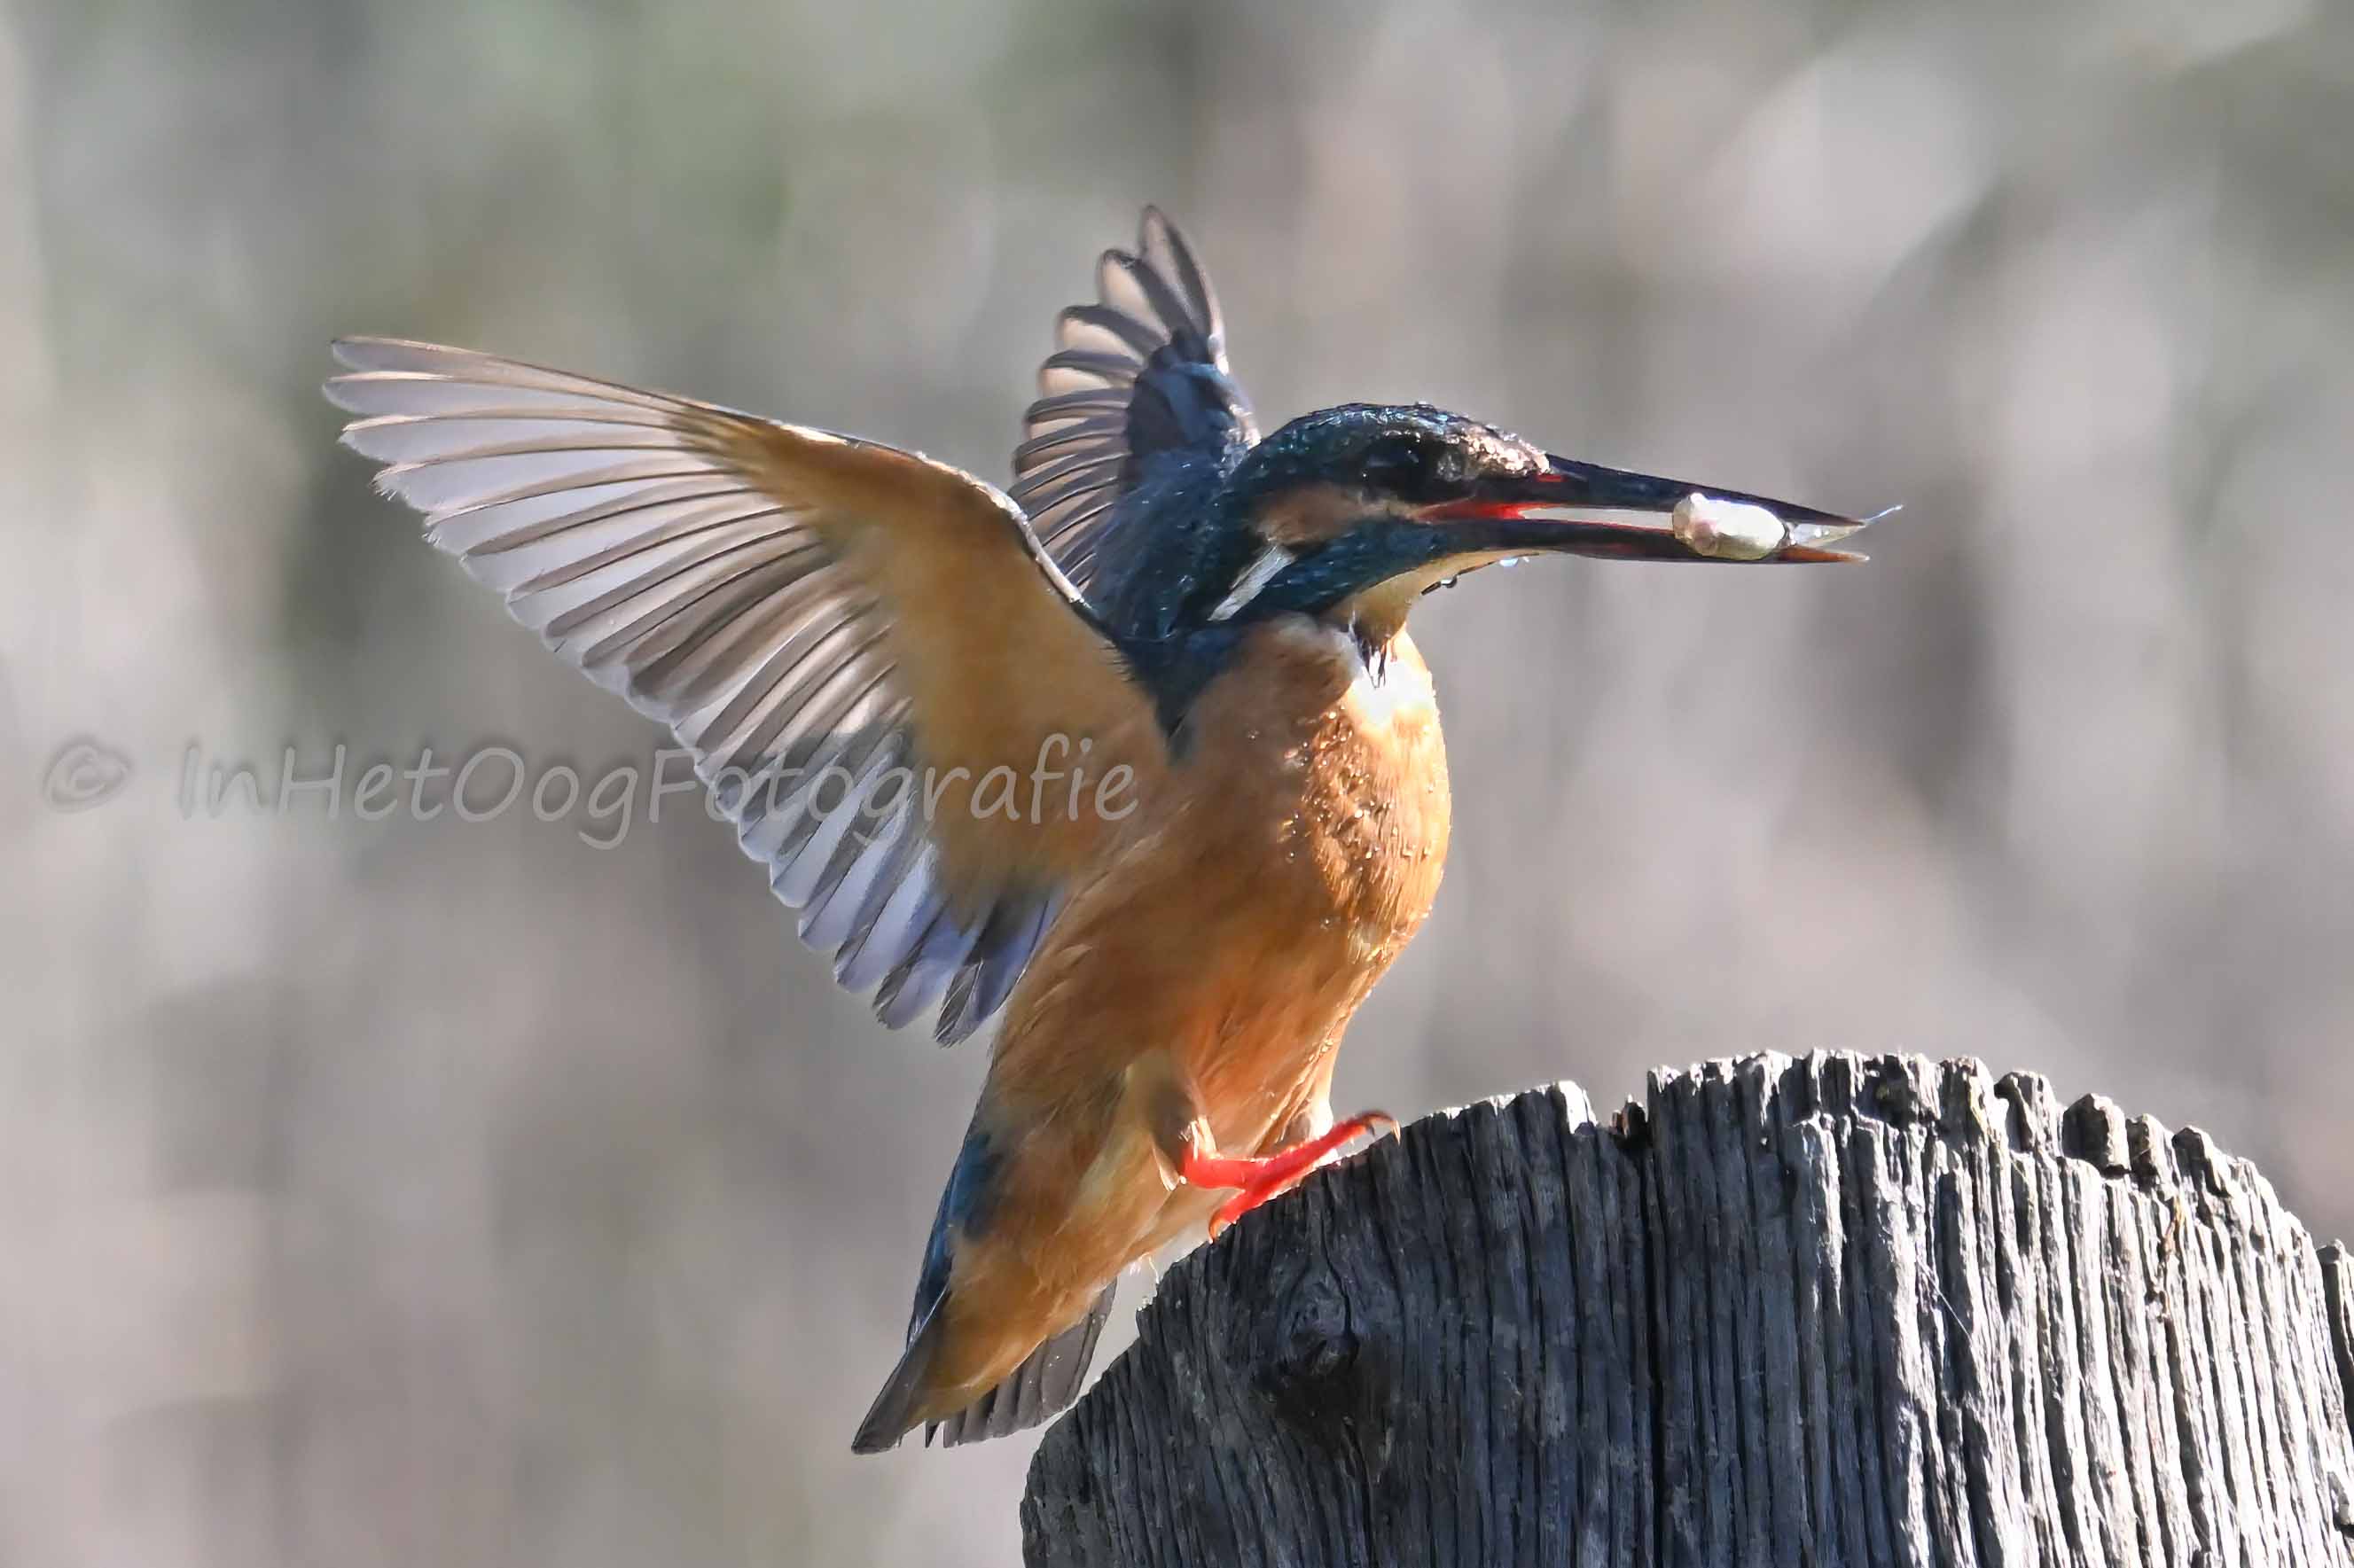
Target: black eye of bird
[{"x": 1403, "y": 465}]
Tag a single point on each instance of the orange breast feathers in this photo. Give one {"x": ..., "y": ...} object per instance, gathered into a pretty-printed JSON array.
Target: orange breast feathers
[
  {"x": 1200, "y": 975},
  {"x": 1293, "y": 848}
]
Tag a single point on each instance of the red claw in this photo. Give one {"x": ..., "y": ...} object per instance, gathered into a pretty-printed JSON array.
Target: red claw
[{"x": 1258, "y": 1179}]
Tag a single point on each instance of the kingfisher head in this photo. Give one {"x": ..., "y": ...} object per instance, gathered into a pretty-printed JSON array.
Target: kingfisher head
[{"x": 1354, "y": 512}]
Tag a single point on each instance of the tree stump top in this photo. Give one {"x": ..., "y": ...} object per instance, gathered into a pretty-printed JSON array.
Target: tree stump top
[{"x": 1831, "y": 1310}]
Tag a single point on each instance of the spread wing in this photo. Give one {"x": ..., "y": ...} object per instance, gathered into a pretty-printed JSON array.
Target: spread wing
[
  {"x": 848, "y": 637},
  {"x": 1138, "y": 378}
]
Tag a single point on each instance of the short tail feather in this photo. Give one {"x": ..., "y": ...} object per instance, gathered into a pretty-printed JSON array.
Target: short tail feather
[{"x": 1044, "y": 1384}]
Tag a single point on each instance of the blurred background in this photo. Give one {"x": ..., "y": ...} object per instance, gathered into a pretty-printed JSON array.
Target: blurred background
[{"x": 426, "y": 1192}]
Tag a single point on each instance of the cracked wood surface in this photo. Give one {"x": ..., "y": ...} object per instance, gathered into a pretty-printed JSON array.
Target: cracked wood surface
[{"x": 1831, "y": 1311}]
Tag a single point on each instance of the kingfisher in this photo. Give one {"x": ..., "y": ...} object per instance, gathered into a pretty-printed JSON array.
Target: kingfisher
[{"x": 1136, "y": 756}]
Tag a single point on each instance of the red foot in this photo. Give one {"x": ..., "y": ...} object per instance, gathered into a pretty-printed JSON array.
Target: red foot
[{"x": 1259, "y": 1179}]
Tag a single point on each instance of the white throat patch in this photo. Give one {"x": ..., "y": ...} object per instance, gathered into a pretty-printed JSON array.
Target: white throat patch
[{"x": 1257, "y": 576}]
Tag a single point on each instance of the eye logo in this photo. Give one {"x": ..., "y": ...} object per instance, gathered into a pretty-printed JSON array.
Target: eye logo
[{"x": 84, "y": 773}]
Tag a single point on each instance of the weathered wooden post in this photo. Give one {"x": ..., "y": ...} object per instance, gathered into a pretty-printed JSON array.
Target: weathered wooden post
[{"x": 1831, "y": 1311}]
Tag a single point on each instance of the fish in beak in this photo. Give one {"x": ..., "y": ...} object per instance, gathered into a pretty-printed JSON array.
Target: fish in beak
[{"x": 1584, "y": 509}]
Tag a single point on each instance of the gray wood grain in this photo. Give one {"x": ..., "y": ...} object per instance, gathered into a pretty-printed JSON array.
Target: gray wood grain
[{"x": 1831, "y": 1311}]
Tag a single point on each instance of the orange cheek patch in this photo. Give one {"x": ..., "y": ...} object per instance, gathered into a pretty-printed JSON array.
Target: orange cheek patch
[{"x": 1313, "y": 514}]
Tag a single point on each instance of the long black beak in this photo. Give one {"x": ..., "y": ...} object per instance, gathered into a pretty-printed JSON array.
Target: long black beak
[{"x": 1584, "y": 508}]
